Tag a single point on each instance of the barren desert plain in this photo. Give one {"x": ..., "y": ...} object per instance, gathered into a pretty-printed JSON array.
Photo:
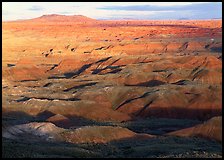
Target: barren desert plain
[{"x": 77, "y": 87}]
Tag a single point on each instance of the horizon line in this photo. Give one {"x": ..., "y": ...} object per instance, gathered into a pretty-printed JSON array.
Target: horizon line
[{"x": 112, "y": 19}]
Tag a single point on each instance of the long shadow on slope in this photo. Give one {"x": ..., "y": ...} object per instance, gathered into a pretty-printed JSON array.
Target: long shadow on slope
[
  {"x": 44, "y": 115},
  {"x": 48, "y": 84},
  {"x": 84, "y": 67},
  {"x": 76, "y": 73},
  {"x": 145, "y": 107},
  {"x": 114, "y": 69},
  {"x": 133, "y": 99},
  {"x": 67, "y": 122},
  {"x": 11, "y": 65},
  {"x": 159, "y": 126},
  {"x": 20, "y": 117},
  {"x": 103, "y": 60},
  {"x": 182, "y": 82},
  {"x": 16, "y": 117},
  {"x": 81, "y": 70},
  {"x": 81, "y": 86},
  {"x": 68, "y": 75},
  {"x": 151, "y": 83},
  {"x": 181, "y": 113}
]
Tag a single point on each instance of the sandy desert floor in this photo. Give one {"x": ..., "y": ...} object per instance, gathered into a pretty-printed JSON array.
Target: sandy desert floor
[{"x": 78, "y": 87}]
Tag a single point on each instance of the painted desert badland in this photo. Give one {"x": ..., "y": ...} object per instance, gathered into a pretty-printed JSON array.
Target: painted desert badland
[{"x": 73, "y": 86}]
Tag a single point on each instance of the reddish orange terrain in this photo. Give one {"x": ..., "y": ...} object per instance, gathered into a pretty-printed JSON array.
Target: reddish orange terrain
[{"x": 76, "y": 80}]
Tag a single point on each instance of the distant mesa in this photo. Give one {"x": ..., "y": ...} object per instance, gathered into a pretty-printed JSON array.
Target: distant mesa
[{"x": 57, "y": 17}]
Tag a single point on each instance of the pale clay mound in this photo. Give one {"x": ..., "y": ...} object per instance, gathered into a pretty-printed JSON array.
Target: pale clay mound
[
  {"x": 50, "y": 132},
  {"x": 43, "y": 130}
]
